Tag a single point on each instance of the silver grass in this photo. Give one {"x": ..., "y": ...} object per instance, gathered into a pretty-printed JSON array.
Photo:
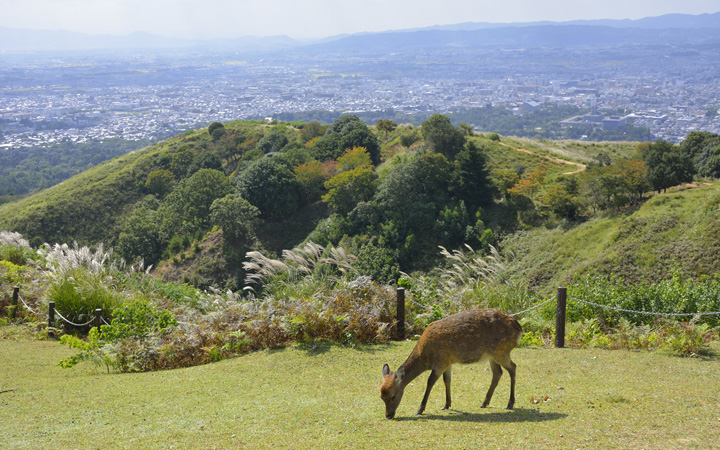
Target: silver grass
[{"x": 13, "y": 239}]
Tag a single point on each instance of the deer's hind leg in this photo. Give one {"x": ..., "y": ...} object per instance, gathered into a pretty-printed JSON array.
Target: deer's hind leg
[{"x": 447, "y": 378}]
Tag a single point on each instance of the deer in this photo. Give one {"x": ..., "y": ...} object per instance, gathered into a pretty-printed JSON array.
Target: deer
[{"x": 464, "y": 338}]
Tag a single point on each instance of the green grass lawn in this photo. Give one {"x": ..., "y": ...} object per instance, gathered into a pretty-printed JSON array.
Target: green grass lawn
[{"x": 327, "y": 397}]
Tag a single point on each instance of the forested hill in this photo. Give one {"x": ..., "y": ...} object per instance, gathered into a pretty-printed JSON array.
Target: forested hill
[{"x": 390, "y": 194}]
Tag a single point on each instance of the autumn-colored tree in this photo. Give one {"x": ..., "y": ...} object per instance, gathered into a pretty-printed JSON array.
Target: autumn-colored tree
[
  {"x": 349, "y": 188},
  {"x": 353, "y": 158},
  {"x": 529, "y": 185},
  {"x": 504, "y": 180},
  {"x": 312, "y": 179}
]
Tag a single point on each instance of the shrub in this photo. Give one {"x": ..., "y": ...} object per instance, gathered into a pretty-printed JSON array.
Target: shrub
[{"x": 78, "y": 293}]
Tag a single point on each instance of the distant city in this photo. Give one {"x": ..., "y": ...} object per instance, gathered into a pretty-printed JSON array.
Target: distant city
[{"x": 79, "y": 96}]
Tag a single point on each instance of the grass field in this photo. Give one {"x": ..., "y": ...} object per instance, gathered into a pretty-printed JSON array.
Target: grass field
[{"x": 327, "y": 396}]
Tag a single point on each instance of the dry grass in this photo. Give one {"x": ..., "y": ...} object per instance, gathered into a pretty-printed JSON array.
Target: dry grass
[{"x": 326, "y": 396}]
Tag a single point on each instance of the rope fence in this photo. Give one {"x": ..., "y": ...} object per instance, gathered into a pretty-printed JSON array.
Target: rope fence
[
  {"x": 560, "y": 312},
  {"x": 95, "y": 321},
  {"x": 647, "y": 313}
]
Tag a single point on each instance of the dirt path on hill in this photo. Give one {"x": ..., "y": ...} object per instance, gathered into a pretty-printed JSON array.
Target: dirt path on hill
[{"x": 580, "y": 167}]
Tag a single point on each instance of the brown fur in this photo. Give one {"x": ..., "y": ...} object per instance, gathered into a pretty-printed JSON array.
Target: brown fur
[{"x": 462, "y": 338}]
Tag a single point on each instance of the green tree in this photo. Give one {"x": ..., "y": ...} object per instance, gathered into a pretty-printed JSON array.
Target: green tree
[
  {"x": 344, "y": 124},
  {"x": 160, "y": 182},
  {"x": 408, "y": 138},
  {"x": 349, "y": 188},
  {"x": 215, "y": 126},
  {"x": 632, "y": 175},
  {"x": 311, "y": 130},
  {"x": 187, "y": 208},
  {"x": 272, "y": 142},
  {"x": 346, "y": 132},
  {"x": 271, "y": 186},
  {"x": 505, "y": 180},
  {"x": 140, "y": 235},
  {"x": 386, "y": 126},
  {"x": 466, "y": 129},
  {"x": 362, "y": 137},
  {"x": 442, "y": 137},
  {"x": 667, "y": 165},
  {"x": 236, "y": 217},
  {"x": 471, "y": 178},
  {"x": 562, "y": 203},
  {"x": 181, "y": 160}
]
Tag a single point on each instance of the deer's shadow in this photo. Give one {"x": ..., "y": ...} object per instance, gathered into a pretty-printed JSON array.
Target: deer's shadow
[{"x": 514, "y": 416}]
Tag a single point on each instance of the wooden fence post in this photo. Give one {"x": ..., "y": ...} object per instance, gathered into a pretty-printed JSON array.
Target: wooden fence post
[
  {"x": 560, "y": 317},
  {"x": 14, "y": 302},
  {"x": 98, "y": 318},
  {"x": 51, "y": 318},
  {"x": 401, "y": 313}
]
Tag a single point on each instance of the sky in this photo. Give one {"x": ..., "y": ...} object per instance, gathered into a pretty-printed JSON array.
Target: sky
[{"x": 308, "y": 19}]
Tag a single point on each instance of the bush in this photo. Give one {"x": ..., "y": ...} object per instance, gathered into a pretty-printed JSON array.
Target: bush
[{"x": 79, "y": 293}]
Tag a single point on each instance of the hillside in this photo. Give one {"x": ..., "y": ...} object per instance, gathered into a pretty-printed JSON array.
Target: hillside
[
  {"x": 193, "y": 205},
  {"x": 676, "y": 232}
]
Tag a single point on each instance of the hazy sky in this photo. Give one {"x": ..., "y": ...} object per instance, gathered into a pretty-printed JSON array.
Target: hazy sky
[{"x": 313, "y": 18}]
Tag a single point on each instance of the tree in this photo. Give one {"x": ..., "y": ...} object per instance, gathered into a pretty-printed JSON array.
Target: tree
[
  {"x": 217, "y": 131},
  {"x": 529, "y": 185},
  {"x": 187, "y": 208},
  {"x": 386, "y": 126},
  {"x": 471, "y": 178},
  {"x": 562, "y": 203},
  {"x": 344, "y": 124},
  {"x": 353, "y": 158},
  {"x": 412, "y": 193},
  {"x": 235, "y": 216},
  {"x": 346, "y": 132},
  {"x": 272, "y": 142},
  {"x": 271, "y": 186},
  {"x": 708, "y": 161},
  {"x": 409, "y": 138},
  {"x": 667, "y": 165},
  {"x": 505, "y": 180},
  {"x": 140, "y": 235},
  {"x": 181, "y": 160},
  {"x": 362, "y": 137},
  {"x": 215, "y": 126},
  {"x": 633, "y": 178},
  {"x": 311, "y": 130},
  {"x": 312, "y": 179},
  {"x": 466, "y": 129},
  {"x": 160, "y": 182},
  {"x": 442, "y": 137},
  {"x": 349, "y": 188}
]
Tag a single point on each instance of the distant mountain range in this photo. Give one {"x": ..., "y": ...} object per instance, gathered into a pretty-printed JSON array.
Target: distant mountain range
[{"x": 662, "y": 29}]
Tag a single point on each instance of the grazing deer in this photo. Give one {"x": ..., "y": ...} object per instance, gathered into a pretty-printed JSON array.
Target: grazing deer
[{"x": 464, "y": 338}]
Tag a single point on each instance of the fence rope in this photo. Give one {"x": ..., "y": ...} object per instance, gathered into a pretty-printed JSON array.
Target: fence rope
[
  {"x": 534, "y": 307},
  {"x": 104, "y": 321},
  {"x": 647, "y": 313},
  {"x": 418, "y": 304},
  {"x": 26, "y": 305},
  {"x": 74, "y": 324}
]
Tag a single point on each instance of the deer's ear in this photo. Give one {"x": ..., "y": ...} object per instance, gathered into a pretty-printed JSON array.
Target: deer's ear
[
  {"x": 399, "y": 374},
  {"x": 386, "y": 370}
]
